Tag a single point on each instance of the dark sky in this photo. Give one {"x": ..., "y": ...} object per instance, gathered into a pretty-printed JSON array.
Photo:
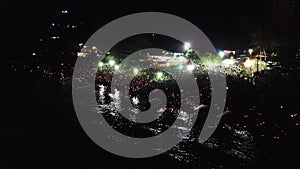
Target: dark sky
[{"x": 226, "y": 23}]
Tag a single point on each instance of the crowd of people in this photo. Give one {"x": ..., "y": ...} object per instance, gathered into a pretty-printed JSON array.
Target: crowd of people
[{"x": 262, "y": 105}]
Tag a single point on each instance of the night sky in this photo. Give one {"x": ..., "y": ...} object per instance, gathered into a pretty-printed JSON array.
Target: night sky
[{"x": 226, "y": 23}]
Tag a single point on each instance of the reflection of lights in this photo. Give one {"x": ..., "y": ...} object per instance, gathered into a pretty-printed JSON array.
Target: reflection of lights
[
  {"x": 100, "y": 64},
  {"x": 159, "y": 75},
  {"x": 111, "y": 62},
  {"x": 135, "y": 71},
  {"x": 190, "y": 67},
  {"x": 294, "y": 115},
  {"x": 94, "y": 48},
  {"x": 135, "y": 101},
  {"x": 221, "y": 54},
  {"x": 81, "y": 54},
  {"x": 187, "y": 45},
  {"x": 54, "y": 37},
  {"x": 117, "y": 67}
]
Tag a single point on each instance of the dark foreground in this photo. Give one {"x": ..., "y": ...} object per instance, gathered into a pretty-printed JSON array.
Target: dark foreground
[{"x": 39, "y": 129}]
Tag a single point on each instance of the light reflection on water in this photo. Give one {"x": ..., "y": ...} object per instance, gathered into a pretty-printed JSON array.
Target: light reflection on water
[{"x": 232, "y": 141}]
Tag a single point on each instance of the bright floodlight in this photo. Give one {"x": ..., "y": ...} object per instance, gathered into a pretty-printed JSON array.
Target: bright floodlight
[
  {"x": 221, "y": 54},
  {"x": 187, "y": 45},
  {"x": 111, "y": 62},
  {"x": 135, "y": 71},
  {"x": 250, "y": 51},
  {"x": 135, "y": 101},
  {"x": 190, "y": 67},
  {"x": 100, "y": 64},
  {"x": 159, "y": 75},
  {"x": 117, "y": 67}
]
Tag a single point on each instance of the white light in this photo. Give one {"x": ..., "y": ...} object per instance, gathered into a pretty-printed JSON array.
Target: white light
[
  {"x": 250, "y": 51},
  {"x": 135, "y": 71},
  {"x": 111, "y": 62},
  {"x": 187, "y": 45},
  {"x": 100, "y": 64},
  {"x": 228, "y": 62},
  {"x": 117, "y": 67},
  {"x": 249, "y": 63},
  {"x": 159, "y": 75},
  {"x": 221, "y": 54},
  {"x": 135, "y": 101},
  {"x": 190, "y": 67}
]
